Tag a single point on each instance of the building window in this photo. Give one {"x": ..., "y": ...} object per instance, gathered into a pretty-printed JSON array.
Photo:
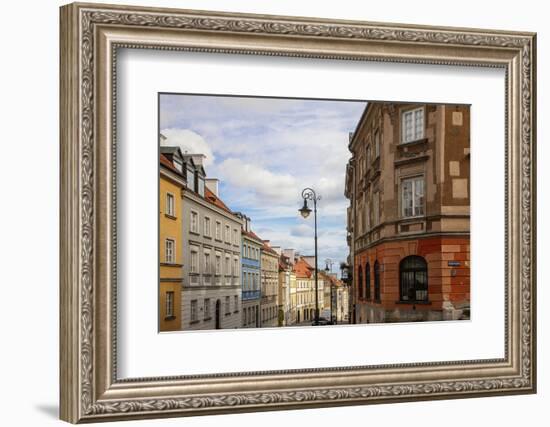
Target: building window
[
  {"x": 227, "y": 234},
  {"x": 169, "y": 251},
  {"x": 376, "y": 144},
  {"x": 227, "y": 265},
  {"x": 367, "y": 280},
  {"x": 201, "y": 186},
  {"x": 194, "y": 313},
  {"x": 367, "y": 214},
  {"x": 236, "y": 303},
  {"x": 191, "y": 178},
  {"x": 360, "y": 282},
  {"x": 194, "y": 226},
  {"x": 235, "y": 236},
  {"x": 376, "y": 281},
  {"x": 227, "y": 305},
  {"x": 218, "y": 264},
  {"x": 194, "y": 260},
  {"x": 218, "y": 230},
  {"x": 169, "y": 307},
  {"x": 207, "y": 262},
  {"x": 206, "y": 308},
  {"x": 368, "y": 157},
  {"x": 412, "y": 196},
  {"x": 236, "y": 267},
  {"x": 412, "y": 124},
  {"x": 170, "y": 209},
  {"x": 376, "y": 209},
  {"x": 207, "y": 230},
  {"x": 413, "y": 278}
]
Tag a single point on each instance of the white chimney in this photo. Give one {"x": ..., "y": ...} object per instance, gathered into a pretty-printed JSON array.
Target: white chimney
[
  {"x": 213, "y": 185},
  {"x": 290, "y": 254}
]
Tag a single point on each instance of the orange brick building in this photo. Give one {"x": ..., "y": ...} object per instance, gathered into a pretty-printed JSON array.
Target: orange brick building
[{"x": 408, "y": 182}]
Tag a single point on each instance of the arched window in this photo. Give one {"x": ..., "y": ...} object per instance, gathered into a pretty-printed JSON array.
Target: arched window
[
  {"x": 360, "y": 282},
  {"x": 367, "y": 280},
  {"x": 413, "y": 277},
  {"x": 376, "y": 281}
]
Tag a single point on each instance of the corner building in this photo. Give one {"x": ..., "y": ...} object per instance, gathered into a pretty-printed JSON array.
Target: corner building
[{"x": 409, "y": 216}]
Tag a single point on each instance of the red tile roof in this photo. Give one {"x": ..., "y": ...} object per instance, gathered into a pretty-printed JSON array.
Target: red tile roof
[
  {"x": 167, "y": 163},
  {"x": 302, "y": 269},
  {"x": 215, "y": 200},
  {"x": 251, "y": 234}
]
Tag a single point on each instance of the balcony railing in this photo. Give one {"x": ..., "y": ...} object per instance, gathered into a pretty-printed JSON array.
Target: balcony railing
[{"x": 248, "y": 295}]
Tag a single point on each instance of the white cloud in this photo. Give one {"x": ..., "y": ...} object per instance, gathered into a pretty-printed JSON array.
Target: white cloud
[
  {"x": 263, "y": 182},
  {"x": 267, "y": 151},
  {"x": 301, "y": 230},
  {"x": 188, "y": 141}
]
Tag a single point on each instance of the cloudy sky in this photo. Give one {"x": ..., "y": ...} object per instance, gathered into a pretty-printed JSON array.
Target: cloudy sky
[{"x": 264, "y": 152}]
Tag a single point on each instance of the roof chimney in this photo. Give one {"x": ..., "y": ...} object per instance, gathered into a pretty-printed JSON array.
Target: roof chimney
[{"x": 213, "y": 185}]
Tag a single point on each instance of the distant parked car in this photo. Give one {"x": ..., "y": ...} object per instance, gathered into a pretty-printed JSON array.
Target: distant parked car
[{"x": 322, "y": 322}]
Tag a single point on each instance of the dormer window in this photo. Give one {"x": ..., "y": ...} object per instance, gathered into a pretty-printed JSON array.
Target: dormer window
[
  {"x": 201, "y": 186},
  {"x": 178, "y": 164},
  {"x": 191, "y": 178}
]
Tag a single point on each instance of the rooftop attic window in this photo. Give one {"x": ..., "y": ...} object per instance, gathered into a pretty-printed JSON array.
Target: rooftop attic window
[
  {"x": 178, "y": 164},
  {"x": 191, "y": 178},
  {"x": 201, "y": 186}
]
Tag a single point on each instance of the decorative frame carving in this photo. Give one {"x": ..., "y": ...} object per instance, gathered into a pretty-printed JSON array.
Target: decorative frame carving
[{"x": 90, "y": 36}]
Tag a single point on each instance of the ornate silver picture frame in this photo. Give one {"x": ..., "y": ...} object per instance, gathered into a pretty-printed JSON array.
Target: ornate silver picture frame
[{"x": 91, "y": 35}]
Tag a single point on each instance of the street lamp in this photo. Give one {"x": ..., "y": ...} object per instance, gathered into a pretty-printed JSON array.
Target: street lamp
[
  {"x": 309, "y": 194},
  {"x": 346, "y": 277},
  {"x": 328, "y": 262}
]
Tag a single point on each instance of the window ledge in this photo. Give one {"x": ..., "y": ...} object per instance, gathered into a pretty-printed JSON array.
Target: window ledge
[
  {"x": 194, "y": 322},
  {"x": 413, "y": 142},
  {"x": 170, "y": 216},
  {"x": 413, "y": 302},
  {"x": 170, "y": 317},
  {"x": 207, "y": 318}
]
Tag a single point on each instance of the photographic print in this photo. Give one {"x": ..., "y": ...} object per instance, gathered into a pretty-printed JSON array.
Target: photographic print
[{"x": 278, "y": 212}]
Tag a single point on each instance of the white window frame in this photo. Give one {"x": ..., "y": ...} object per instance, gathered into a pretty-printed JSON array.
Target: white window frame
[
  {"x": 218, "y": 262},
  {"x": 415, "y": 205},
  {"x": 169, "y": 304},
  {"x": 227, "y": 264},
  {"x": 194, "y": 264},
  {"x": 170, "y": 204},
  {"x": 415, "y": 136},
  {"x": 169, "y": 258},
  {"x": 236, "y": 266},
  {"x": 194, "y": 310},
  {"x": 227, "y": 233},
  {"x": 206, "y": 308},
  {"x": 207, "y": 230},
  {"x": 218, "y": 230},
  {"x": 194, "y": 225},
  {"x": 207, "y": 262}
]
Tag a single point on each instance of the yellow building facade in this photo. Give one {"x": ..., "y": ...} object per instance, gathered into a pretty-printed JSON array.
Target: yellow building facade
[{"x": 171, "y": 185}]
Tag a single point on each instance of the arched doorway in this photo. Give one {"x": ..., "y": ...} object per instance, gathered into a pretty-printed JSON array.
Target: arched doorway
[
  {"x": 360, "y": 283},
  {"x": 376, "y": 281},
  {"x": 367, "y": 281},
  {"x": 413, "y": 279},
  {"x": 218, "y": 319}
]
